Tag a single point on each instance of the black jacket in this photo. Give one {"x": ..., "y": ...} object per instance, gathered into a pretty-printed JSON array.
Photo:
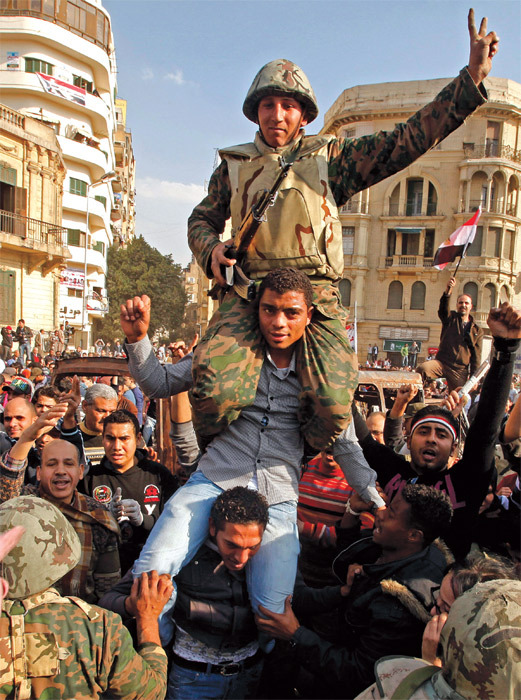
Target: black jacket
[
  {"x": 459, "y": 346},
  {"x": 384, "y": 614},
  {"x": 149, "y": 483},
  {"x": 212, "y": 603},
  {"x": 7, "y": 338}
]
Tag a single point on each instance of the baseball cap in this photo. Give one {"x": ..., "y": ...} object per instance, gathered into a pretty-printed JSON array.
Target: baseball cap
[{"x": 21, "y": 385}]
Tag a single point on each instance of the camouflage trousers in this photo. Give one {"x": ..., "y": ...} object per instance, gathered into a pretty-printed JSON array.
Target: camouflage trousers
[{"x": 228, "y": 361}]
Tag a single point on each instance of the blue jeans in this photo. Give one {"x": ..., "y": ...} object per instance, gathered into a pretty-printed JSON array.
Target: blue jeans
[
  {"x": 185, "y": 683},
  {"x": 148, "y": 429},
  {"x": 25, "y": 351},
  {"x": 183, "y": 527}
]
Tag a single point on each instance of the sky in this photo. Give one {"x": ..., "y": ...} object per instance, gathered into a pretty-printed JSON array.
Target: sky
[{"x": 184, "y": 68}]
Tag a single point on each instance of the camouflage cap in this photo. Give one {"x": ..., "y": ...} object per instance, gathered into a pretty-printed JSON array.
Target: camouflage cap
[
  {"x": 48, "y": 549},
  {"x": 481, "y": 641},
  {"x": 281, "y": 77}
]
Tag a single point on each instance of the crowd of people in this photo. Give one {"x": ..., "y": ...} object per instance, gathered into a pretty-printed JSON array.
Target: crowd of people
[{"x": 302, "y": 547}]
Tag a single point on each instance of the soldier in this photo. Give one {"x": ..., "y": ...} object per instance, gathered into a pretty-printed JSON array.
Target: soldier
[
  {"x": 303, "y": 231},
  {"x": 481, "y": 652},
  {"x": 62, "y": 647}
]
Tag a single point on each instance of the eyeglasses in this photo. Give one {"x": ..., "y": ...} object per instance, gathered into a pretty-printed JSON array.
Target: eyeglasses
[
  {"x": 440, "y": 605},
  {"x": 434, "y": 599}
]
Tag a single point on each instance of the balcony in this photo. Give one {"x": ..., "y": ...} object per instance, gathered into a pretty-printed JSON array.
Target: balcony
[
  {"x": 413, "y": 210},
  {"x": 45, "y": 243},
  {"x": 408, "y": 261},
  {"x": 354, "y": 208},
  {"x": 97, "y": 305},
  {"x": 94, "y": 25},
  {"x": 492, "y": 149},
  {"x": 495, "y": 206},
  {"x": 84, "y": 153}
]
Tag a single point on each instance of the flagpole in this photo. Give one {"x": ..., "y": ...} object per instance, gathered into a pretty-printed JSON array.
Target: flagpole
[{"x": 465, "y": 248}]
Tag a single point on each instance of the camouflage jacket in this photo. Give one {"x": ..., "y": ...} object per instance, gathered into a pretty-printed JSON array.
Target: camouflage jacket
[
  {"x": 353, "y": 164},
  {"x": 55, "y": 647},
  {"x": 98, "y": 569}
]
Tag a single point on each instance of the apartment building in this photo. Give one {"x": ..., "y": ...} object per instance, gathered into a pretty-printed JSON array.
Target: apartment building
[
  {"x": 58, "y": 67},
  {"x": 199, "y": 306},
  {"x": 391, "y": 231},
  {"x": 124, "y": 187},
  {"x": 33, "y": 243}
]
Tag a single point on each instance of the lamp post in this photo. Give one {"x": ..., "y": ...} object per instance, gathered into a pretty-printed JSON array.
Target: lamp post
[{"x": 107, "y": 177}]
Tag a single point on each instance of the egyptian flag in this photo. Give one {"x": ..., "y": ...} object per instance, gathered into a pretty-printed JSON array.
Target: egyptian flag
[{"x": 458, "y": 242}]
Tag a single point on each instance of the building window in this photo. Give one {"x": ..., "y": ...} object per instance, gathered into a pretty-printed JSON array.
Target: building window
[
  {"x": 74, "y": 293},
  {"x": 489, "y": 298},
  {"x": 102, "y": 199},
  {"x": 474, "y": 249},
  {"x": 83, "y": 83},
  {"x": 391, "y": 242},
  {"x": 414, "y": 197},
  {"x": 345, "y": 292},
  {"x": 428, "y": 247},
  {"x": 504, "y": 295},
  {"x": 348, "y": 239},
  {"x": 36, "y": 65},
  {"x": 78, "y": 187},
  {"x": 492, "y": 140},
  {"x": 75, "y": 237},
  {"x": 432, "y": 200},
  {"x": 99, "y": 246},
  {"x": 507, "y": 244},
  {"x": 418, "y": 296},
  {"x": 471, "y": 290},
  {"x": 395, "y": 295},
  {"x": 493, "y": 243},
  {"x": 7, "y": 175},
  {"x": 410, "y": 243}
]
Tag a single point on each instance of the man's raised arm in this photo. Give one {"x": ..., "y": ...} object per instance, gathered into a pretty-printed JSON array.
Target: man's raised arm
[
  {"x": 157, "y": 381},
  {"x": 483, "y": 48},
  {"x": 505, "y": 326}
]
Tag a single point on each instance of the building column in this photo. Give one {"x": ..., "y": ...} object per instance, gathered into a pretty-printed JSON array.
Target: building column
[
  {"x": 425, "y": 197},
  {"x": 402, "y": 199}
]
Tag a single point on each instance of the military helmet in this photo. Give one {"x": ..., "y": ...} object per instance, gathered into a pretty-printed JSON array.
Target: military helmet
[
  {"x": 280, "y": 77},
  {"x": 48, "y": 549},
  {"x": 481, "y": 641}
]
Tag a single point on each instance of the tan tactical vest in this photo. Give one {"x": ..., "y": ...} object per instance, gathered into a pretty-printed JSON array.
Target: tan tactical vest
[{"x": 302, "y": 228}]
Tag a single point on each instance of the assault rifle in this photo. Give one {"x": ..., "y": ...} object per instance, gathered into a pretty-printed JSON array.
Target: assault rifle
[{"x": 243, "y": 237}]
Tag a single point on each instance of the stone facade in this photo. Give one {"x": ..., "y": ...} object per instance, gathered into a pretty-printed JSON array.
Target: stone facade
[
  {"x": 392, "y": 230},
  {"x": 33, "y": 246}
]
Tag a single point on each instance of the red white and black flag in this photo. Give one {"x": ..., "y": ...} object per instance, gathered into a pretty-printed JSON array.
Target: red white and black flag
[{"x": 457, "y": 243}]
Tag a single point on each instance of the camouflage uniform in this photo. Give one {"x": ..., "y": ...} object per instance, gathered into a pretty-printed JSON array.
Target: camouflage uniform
[
  {"x": 481, "y": 652},
  {"x": 56, "y": 647},
  {"x": 327, "y": 171}
]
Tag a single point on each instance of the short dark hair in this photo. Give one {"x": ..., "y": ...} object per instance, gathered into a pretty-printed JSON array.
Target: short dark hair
[
  {"x": 52, "y": 392},
  {"x": 430, "y": 510},
  {"x": 121, "y": 417},
  {"x": 287, "y": 279},
  {"x": 240, "y": 506},
  {"x": 435, "y": 411}
]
